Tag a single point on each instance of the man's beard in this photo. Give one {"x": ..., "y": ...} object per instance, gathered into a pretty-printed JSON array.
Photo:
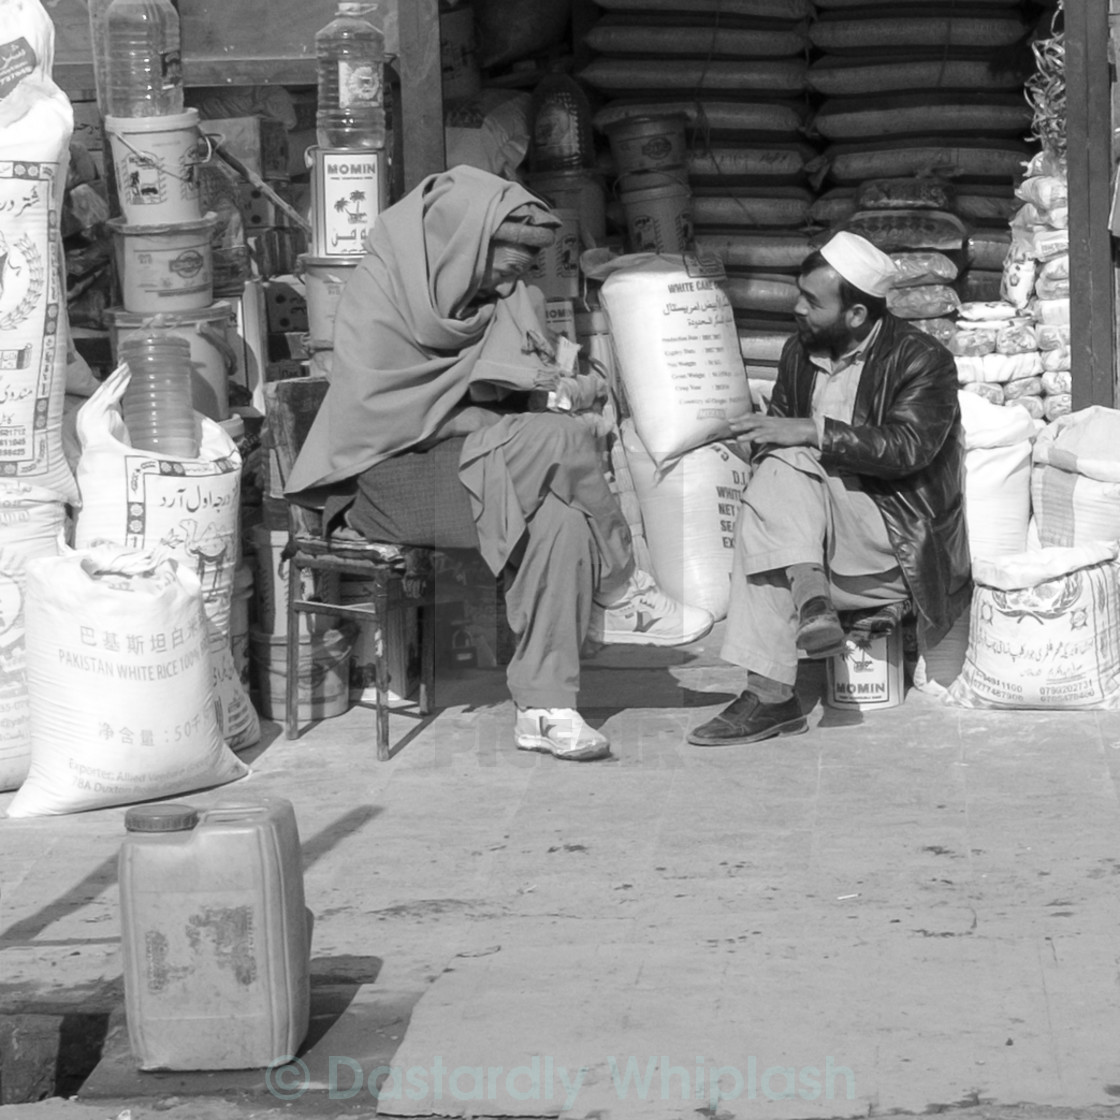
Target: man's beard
[{"x": 833, "y": 339}]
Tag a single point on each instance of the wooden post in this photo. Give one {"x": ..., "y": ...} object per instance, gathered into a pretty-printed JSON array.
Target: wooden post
[
  {"x": 421, "y": 107},
  {"x": 1089, "y": 142}
]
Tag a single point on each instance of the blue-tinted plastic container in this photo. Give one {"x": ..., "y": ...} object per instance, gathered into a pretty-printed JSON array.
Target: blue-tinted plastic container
[{"x": 215, "y": 937}]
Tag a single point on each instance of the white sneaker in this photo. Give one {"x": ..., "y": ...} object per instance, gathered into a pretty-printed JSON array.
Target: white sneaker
[
  {"x": 560, "y": 732},
  {"x": 648, "y": 617}
]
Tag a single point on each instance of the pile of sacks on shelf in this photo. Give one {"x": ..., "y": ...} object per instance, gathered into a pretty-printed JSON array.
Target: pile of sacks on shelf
[{"x": 1015, "y": 350}]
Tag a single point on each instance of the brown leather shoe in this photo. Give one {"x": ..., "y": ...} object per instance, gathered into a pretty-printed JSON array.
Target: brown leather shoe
[
  {"x": 747, "y": 720},
  {"x": 819, "y": 632}
]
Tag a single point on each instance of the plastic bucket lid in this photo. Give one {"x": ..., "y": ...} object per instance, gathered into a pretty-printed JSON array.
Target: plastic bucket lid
[
  {"x": 173, "y": 122},
  {"x": 123, "y": 319},
  {"x": 196, "y": 225}
]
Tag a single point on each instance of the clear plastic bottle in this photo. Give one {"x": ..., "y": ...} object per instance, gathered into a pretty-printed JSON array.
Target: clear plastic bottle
[
  {"x": 351, "y": 57},
  {"x": 561, "y": 138},
  {"x": 158, "y": 404},
  {"x": 136, "y": 43}
]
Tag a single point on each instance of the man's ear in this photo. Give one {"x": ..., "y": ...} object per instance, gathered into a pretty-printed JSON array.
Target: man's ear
[{"x": 856, "y": 316}]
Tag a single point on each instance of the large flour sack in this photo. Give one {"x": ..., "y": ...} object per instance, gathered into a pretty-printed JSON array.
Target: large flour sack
[
  {"x": 36, "y": 122},
  {"x": 122, "y": 701},
  {"x": 689, "y": 513},
  {"x": 31, "y": 526},
  {"x": 189, "y": 506},
  {"x": 1044, "y": 631},
  {"x": 997, "y": 463},
  {"x": 678, "y": 351}
]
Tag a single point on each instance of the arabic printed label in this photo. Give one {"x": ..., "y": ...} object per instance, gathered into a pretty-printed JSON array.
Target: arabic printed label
[
  {"x": 29, "y": 315},
  {"x": 348, "y": 192},
  {"x": 17, "y": 60},
  {"x": 678, "y": 355}
]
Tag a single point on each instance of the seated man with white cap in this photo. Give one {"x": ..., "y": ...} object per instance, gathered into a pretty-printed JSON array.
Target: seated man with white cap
[{"x": 856, "y": 499}]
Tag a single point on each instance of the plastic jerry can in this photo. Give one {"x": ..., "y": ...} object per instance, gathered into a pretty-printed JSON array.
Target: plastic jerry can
[{"x": 215, "y": 938}]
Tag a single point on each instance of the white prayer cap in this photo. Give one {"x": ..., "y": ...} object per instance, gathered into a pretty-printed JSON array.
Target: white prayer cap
[{"x": 860, "y": 263}]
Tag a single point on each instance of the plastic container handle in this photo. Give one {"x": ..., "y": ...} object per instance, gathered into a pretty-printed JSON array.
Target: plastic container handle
[{"x": 220, "y": 343}]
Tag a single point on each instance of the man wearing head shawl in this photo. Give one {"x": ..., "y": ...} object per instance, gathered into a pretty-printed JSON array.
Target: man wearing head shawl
[
  {"x": 423, "y": 438},
  {"x": 856, "y": 501}
]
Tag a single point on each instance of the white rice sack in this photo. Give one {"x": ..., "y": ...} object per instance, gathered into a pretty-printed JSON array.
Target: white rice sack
[
  {"x": 31, "y": 526},
  {"x": 972, "y": 344},
  {"x": 689, "y": 514},
  {"x": 141, "y": 500},
  {"x": 1052, "y": 289},
  {"x": 997, "y": 465},
  {"x": 988, "y": 309},
  {"x": 926, "y": 301},
  {"x": 36, "y": 122},
  {"x": 1057, "y": 404},
  {"x": 991, "y": 393},
  {"x": 939, "y": 328},
  {"x": 999, "y": 368},
  {"x": 1055, "y": 269},
  {"x": 1052, "y": 337},
  {"x": 1032, "y": 405},
  {"x": 1044, "y": 631},
  {"x": 1075, "y": 478},
  {"x": 678, "y": 350},
  {"x": 1016, "y": 338},
  {"x": 118, "y": 671},
  {"x": 1023, "y": 387},
  {"x": 1057, "y": 381},
  {"x": 1057, "y": 360},
  {"x": 1044, "y": 191},
  {"x": 1050, "y": 243}
]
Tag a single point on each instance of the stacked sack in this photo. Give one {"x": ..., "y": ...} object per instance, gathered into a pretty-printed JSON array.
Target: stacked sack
[
  {"x": 736, "y": 70},
  {"x": 36, "y": 123},
  {"x": 908, "y": 91},
  {"x": 1036, "y": 276}
]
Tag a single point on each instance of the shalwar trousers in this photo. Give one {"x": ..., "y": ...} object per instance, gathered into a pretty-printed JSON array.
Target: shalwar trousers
[
  {"x": 539, "y": 510},
  {"x": 795, "y": 512}
]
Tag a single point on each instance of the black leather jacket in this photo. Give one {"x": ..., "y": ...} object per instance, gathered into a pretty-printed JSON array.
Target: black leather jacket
[{"x": 905, "y": 444}]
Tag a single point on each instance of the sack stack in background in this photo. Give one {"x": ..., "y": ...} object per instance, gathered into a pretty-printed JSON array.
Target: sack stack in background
[
  {"x": 908, "y": 91},
  {"x": 736, "y": 70}
]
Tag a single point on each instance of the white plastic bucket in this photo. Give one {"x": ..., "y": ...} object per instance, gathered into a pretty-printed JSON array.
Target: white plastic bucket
[
  {"x": 658, "y": 208},
  {"x": 648, "y": 143},
  {"x": 213, "y": 359},
  {"x": 867, "y": 676},
  {"x": 165, "y": 267},
  {"x": 323, "y": 281},
  {"x": 576, "y": 189},
  {"x": 155, "y": 162},
  {"x": 556, "y": 271},
  {"x": 324, "y": 674}
]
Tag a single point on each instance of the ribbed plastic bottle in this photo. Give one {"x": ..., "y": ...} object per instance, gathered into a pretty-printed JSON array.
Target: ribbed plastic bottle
[
  {"x": 158, "y": 404},
  {"x": 561, "y": 138},
  {"x": 215, "y": 937},
  {"x": 351, "y": 59},
  {"x": 136, "y": 43}
]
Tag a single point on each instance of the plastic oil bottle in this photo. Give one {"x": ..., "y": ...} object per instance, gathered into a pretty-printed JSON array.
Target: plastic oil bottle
[
  {"x": 215, "y": 938},
  {"x": 351, "y": 58},
  {"x": 137, "y": 62}
]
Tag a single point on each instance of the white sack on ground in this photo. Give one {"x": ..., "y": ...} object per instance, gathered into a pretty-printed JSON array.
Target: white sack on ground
[
  {"x": 118, "y": 673},
  {"x": 689, "y": 514},
  {"x": 31, "y": 526},
  {"x": 190, "y": 506},
  {"x": 1044, "y": 631}
]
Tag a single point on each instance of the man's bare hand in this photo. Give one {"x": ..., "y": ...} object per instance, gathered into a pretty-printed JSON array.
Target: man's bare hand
[{"x": 778, "y": 431}]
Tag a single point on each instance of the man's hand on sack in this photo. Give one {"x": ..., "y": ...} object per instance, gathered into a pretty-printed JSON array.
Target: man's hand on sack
[{"x": 777, "y": 431}]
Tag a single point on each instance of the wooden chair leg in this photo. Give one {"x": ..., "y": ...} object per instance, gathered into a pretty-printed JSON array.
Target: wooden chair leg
[
  {"x": 381, "y": 675},
  {"x": 291, "y": 690},
  {"x": 427, "y": 658}
]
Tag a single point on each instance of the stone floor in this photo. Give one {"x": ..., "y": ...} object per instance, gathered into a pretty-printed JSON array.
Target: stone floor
[{"x": 912, "y": 910}]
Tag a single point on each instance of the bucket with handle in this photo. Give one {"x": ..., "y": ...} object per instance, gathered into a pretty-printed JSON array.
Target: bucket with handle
[
  {"x": 868, "y": 674},
  {"x": 652, "y": 143},
  {"x": 155, "y": 160},
  {"x": 658, "y": 208}
]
